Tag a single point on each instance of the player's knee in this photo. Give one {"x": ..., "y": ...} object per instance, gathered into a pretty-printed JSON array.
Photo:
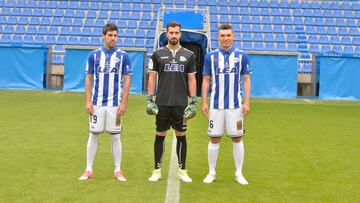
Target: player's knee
[
  {"x": 163, "y": 133},
  {"x": 215, "y": 140},
  {"x": 236, "y": 139},
  {"x": 115, "y": 137},
  {"x": 94, "y": 136}
]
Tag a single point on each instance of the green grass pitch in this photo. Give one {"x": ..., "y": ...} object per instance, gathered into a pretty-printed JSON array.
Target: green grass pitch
[{"x": 295, "y": 151}]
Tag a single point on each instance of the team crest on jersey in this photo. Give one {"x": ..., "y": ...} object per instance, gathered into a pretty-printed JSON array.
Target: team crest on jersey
[
  {"x": 239, "y": 125},
  {"x": 182, "y": 58}
]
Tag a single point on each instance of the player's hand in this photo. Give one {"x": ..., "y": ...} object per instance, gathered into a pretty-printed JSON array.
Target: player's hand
[
  {"x": 246, "y": 109},
  {"x": 205, "y": 110},
  {"x": 89, "y": 108},
  {"x": 121, "y": 109},
  {"x": 190, "y": 110},
  {"x": 151, "y": 107}
]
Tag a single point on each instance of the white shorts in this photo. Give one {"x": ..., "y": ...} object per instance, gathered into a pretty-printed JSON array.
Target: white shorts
[
  {"x": 231, "y": 119},
  {"x": 105, "y": 117}
]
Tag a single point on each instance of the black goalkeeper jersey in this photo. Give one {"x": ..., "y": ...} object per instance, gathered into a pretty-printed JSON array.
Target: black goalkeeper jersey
[{"x": 173, "y": 68}]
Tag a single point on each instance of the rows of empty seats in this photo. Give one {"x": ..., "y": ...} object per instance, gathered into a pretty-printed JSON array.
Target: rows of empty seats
[{"x": 285, "y": 25}]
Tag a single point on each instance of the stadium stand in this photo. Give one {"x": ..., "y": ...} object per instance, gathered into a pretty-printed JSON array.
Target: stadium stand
[{"x": 281, "y": 25}]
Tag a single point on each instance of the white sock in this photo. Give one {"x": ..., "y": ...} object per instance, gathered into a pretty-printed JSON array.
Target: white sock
[
  {"x": 213, "y": 152},
  {"x": 116, "y": 149},
  {"x": 238, "y": 153},
  {"x": 91, "y": 150}
]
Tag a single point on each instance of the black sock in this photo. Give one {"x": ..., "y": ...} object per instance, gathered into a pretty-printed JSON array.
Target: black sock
[
  {"x": 158, "y": 150},
  {"x": 181, "y": 151}
]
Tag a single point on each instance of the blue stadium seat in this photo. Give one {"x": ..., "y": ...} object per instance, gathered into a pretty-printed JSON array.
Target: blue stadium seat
[
  {"x": 357, "y": 50},
  {"x": 115, "y": 7},
  {"x": 244, "y": 11},
  {"x": 19, "y": 4},
  {"x": 73, "y": 5},
  {"x": 325, "y": 48},
  {"x": 343, "y": 31},
  {"x": 350, "y": 23},
  {"x": 278, "y": 29},
  {"x": 128, "y": 43},
  {"x": 340, "y": 22},
  {"x": 321, "y": 30},
  {"x": 139, "y": 43},
  {"x": 53, "y": 30},
  {"x": 103, "y": 15},
  {"x": 338, "y": 14},
  {"x": 266, "y": 20},
  {"x": 84, "y": 41},
  {"x": 323, "y": 39},
  {"x": 279, "y": 38},
  {"x": 95, "y": 41},
  {"x": 89, "y": 23},
  {"x": 256, "y": 28},
  {"x": 69, "y": 13},
  {"x": 58, "y": 13},
  {"x": 275, "y": 12},
  {"x": 8, "y": 29},
  {"x": 308, "y": 13},
  {"x": 246, "y": 37},
  {"x": 327, "y": 13},
  {"x": 245, "y": 19},
  {"x": 5, "y": 12},
  {"x": 285, "y": 12},
  {"x": 84, "y": 5},
  {"x": 313, "y": 39},
  {"x": 269, "y": 47},
  {"x": 61, "y": 40},
  {"x": 314, "y": 48},
  {"x": 75, "y": 31},
  {"x": 287, "y": 21},
  {"x": 264, "y": 12},
  {"x": 28, "y": 39},
  {"x": 353, "y": 31},
  {"x": 31, "y": 30},
  {"x": 50, "y": 40},
  {"x": 52, "y": 4},
  {"x": 16, "y": 39},
  {"x": 72, "y": 40},
  {"x": 310, "y": 30},
  {"x": 115, "y": 15},
  {"x": 348, "y": 50},
  {"x": 291, "y": 47},
  {"x": 48, "y": 13},
  {"x": 247, "y": 46},
  {"x": 345, "y": 40},
  {"x": 91, "y": 14},
  {"x": 132, "y": 24},
  {"x": 298, "y": 21},
  {"x": 337, "y": 49},
  {"x": 235, "y": 19},
  {"x": 150, "y": 34},
  {"x": 267, "y": 29},
  {"x": 86, "y": 31},
  {"x": 255, "y": 20},
  {"x": 67, "y": 22},
  {"x": 34, "y": 21},
  {"x": 64, "y": 31},
  {"x": 44, "y": 21},
  {"x": 319, "y": 22},
  {"x": 355, "y": 7},
  {"x": 39, "y": 39},
  {"x": 309, "y": 21},
  {"x": 20, "y": 29},
  {"x": 56, "y": 22},
  {"x": 146, "y": 16},
  {"x": 268, "y": 37},
  {"x": 140, "y": 33},
  {"x": 224, "y": 19},
  {"x": 149, "y": 43},
  {"x": 280, "y": 47},
  {"x": 284, "y": 4},
  {"x": 348, "y": 14},
  {"x": 291, "y": 38},
  {"x": 245, "y": 28},
  {"x": 16, "y": 12},
  {"x": 254, "y": 12},
  {"x": 105, "y": 6},
  {"x": 2, "y": 20},
  {"x": 12, "y": 20},
  {"x": 125, "y": 15},
  {"x": 356, "y": 41},
  {"x": 357, "y": 14},
  {"x": 331, "y": 31},
  {"x": 77, "y": 22},
  {"x": 259, "y": 46},
  {"x": 42, "y": 30},
  {"x": 297, "y": 12}
]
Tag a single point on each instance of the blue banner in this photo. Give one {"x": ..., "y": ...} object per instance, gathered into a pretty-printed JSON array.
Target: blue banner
[
  {"x": 74, "y": 69},
  {"x": 22, "y": 68},
  {"x": 274, "y": 76},
  {"x": 339, "y": 78}
]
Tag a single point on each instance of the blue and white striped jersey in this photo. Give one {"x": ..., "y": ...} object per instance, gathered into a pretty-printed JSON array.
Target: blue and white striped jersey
[
  {"x": 226, "y": 69},
  {"x": 107, "y": 68}
]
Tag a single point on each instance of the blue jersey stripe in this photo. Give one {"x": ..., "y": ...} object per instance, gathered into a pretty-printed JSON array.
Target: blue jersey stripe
[
  {"x": 236, "y": 82},
  {"x": 96, "y": 79},
  {"x": 216, "y": 96},
  {"x": 116, "y": 84}
]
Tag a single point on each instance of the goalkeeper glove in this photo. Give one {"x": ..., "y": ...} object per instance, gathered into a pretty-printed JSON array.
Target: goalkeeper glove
[
  {"x": 190, "y": 110},
  {"x": 151, "y": 107}
]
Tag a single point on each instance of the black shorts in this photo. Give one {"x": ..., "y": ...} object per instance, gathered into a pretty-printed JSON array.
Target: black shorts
[{"x": 170, "y": 116}]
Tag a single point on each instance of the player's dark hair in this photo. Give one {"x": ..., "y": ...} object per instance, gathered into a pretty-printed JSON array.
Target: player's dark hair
[
  {"x": 109, "y": 27},
  {"x": 173, "y": 24},
  {"x": 225, "y": 27}
]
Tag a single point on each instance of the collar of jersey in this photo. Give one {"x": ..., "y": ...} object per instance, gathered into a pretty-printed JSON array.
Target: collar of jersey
[
  {"x": 226, "y": 52},
  {"x": 108, "y": 50}
]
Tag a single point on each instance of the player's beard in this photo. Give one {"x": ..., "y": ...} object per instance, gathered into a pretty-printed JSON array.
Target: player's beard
[{"x": 173, "y": 41}]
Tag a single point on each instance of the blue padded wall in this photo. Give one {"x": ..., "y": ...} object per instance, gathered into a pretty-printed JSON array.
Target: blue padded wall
[
  {"x": 22, "y": 68},
  {"x": 339, "y": 78},
  {"x": 273, "y": 76}
]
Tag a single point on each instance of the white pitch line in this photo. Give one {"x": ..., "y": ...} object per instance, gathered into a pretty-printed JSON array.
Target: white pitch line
[
  {"x": 173, "y": 183},
  {"x": 308, "y": 100}
]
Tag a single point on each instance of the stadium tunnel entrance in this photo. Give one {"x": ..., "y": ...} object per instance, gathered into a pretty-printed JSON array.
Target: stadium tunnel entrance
[{"x": 196, "y": 42}]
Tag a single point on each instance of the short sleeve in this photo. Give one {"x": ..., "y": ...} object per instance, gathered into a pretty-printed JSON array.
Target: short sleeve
[
  {"x": 207, "y": 65},
  {"x": 126, "y": 69},
  {"x": 245, "y": 65},
  {"x": 152, "y": 66},
  {"x": 192, "y": 64},
  {"x": 90, "y": 64}
]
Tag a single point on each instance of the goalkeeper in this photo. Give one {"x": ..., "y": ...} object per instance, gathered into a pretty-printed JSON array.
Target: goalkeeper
[{"x": 174, "y": 66}]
